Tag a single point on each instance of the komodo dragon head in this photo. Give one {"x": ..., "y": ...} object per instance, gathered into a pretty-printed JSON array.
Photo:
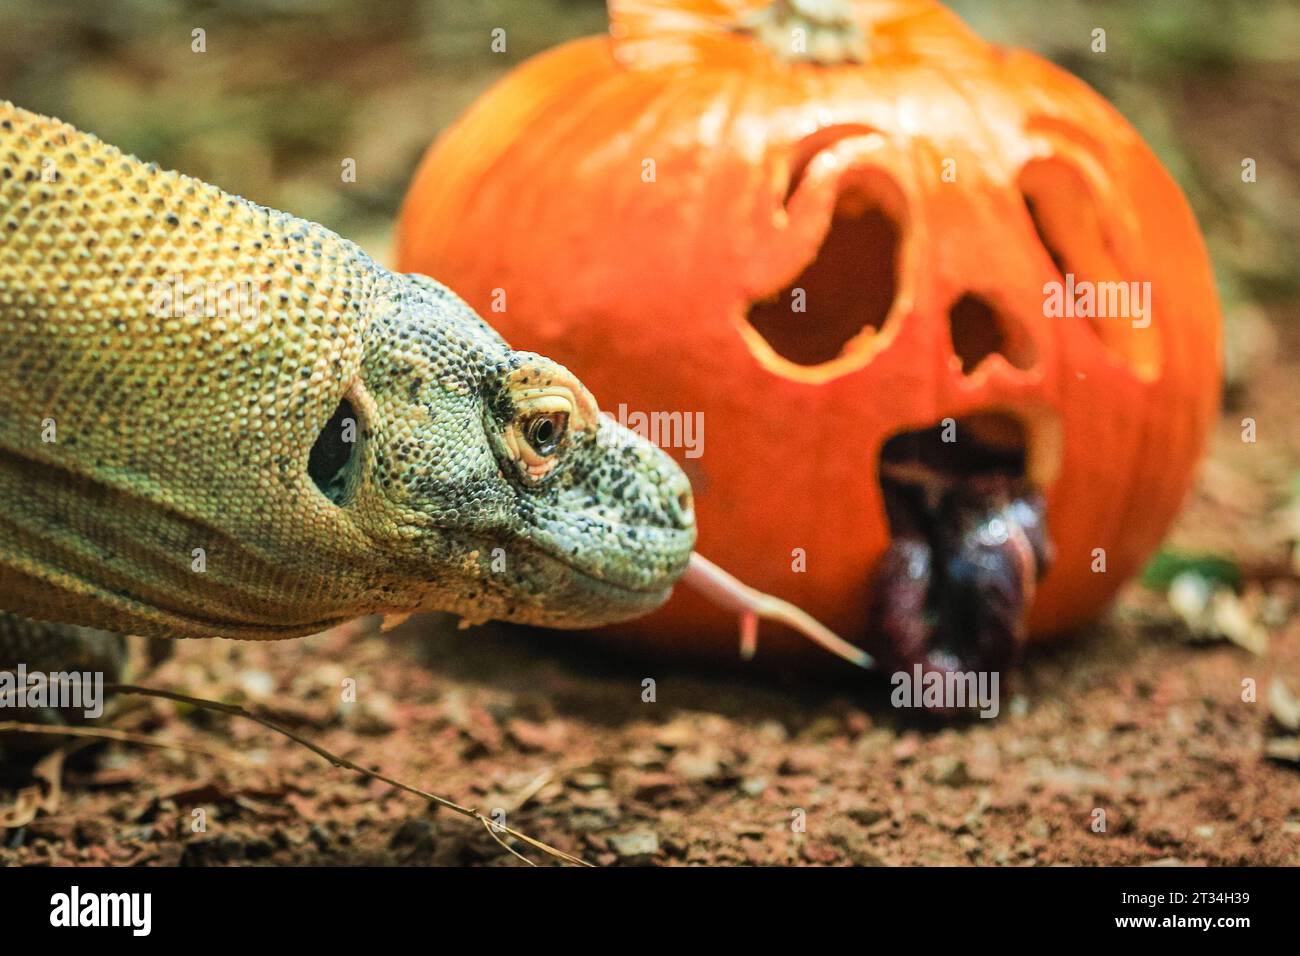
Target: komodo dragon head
[{"x": 218, "y": 419}]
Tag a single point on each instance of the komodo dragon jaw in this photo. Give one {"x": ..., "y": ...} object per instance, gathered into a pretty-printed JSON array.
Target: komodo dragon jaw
[{"x": 218, "y": 419}]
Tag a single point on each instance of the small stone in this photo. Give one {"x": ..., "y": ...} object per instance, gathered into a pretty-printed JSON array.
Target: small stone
[
  {"x": 949, "y": 772},
  {"x": 256, "y": 684},
  {"x": 823, "y": 728},
  {"x": 804, "y": 761},
  {"x": 371, "y": 715},
  {"x": 699, "y": 766},
  {"x": 815, "y": 851},
  {"x": 635, "y": 846},
  {"x": 591, "y": 820},
  {"x": 881, "y": 826},
  {"x": 864, "y": 857},
  {"x": 476, "y": 724},
  {"x": 320, "y": 837},
  {"x": 588, "y": 781},
  {"x": 867, "y": 815},
  {"x": 652, "y": 785},
  {"x": 535, "y": 738},
  {"x": 906, "y": 749},
  {"x": 676, "y": 734},
  {"x": 755, "y": 853},
  {"x": 856, "y": 723},
  {"x": 1162, "y": 837},
  {"x": 674, "y": 848},
  {"x": 645, "y": 758},
  {"x": 417, "y": 834}
]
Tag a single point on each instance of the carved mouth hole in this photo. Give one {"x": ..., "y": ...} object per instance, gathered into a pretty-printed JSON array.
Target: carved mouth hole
[
  {"x": 968, "y": 542},
  {"x": 916, "y": 465},
  {"x": 847, "y": 289},
  {"x": 334, "y": 452}
]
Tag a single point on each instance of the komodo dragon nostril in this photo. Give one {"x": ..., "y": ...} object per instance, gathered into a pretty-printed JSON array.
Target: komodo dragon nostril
[
  {"x": 679, "y": 502},
  {"x": 686, "y": 507}
]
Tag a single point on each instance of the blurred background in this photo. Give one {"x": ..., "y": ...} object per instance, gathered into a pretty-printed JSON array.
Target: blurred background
[
  {"x": 1130, "y": 718},
  {"x": 288, "y": 88}
]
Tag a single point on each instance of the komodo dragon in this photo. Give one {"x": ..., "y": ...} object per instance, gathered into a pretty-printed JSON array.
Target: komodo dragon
[{"x": 217, "y": 419}]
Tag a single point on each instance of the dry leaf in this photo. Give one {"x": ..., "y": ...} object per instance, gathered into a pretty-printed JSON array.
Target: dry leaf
[
  {"x": 44, "y": 795},
  {"x": 1284, "y": 706}
]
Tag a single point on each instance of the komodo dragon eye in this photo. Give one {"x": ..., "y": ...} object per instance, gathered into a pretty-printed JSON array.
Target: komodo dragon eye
[
  {"x": 552, "y": 415},
  {"x": 545, "y": 432}
]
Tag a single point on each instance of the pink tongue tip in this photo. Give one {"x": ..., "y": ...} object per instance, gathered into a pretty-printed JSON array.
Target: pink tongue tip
[{"x": 727, "y": 592}]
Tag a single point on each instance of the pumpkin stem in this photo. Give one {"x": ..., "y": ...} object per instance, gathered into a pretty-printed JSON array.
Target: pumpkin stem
[{"x": 824, "y": 32}]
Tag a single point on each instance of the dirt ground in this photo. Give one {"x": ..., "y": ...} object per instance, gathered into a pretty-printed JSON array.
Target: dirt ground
[{"x": 1131, "y": 718}]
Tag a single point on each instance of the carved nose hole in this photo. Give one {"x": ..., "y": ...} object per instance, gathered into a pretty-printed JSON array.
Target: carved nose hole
[{"x": 979, "y": 330}]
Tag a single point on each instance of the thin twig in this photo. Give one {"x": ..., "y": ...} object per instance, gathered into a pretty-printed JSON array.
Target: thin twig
[
  {"x": 492, "y": 832},
  {"x": 237, "y": 711},
  {"x": 108, "y": 733}
]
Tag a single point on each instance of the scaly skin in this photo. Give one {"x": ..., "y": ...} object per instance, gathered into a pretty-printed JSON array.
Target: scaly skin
[{"x": 157, "y": 473}]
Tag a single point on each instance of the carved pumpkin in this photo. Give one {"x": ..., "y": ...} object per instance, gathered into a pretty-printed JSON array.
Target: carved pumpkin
[{"x": 845, "y": 233}]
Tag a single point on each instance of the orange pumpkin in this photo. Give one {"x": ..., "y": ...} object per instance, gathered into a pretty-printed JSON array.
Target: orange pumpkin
[{"x": 822, "y": 224}]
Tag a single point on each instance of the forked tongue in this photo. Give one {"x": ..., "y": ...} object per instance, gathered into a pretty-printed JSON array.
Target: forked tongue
[{"x": 752, "y": 606}]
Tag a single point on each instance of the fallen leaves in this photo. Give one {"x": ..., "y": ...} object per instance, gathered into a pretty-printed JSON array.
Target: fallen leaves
[
  {"x": 1212, "y": 611},
  {"x": 1284, "y": 707},
  {"x": 1284, "y": 711},
  {"x": 42, "y": 796}
]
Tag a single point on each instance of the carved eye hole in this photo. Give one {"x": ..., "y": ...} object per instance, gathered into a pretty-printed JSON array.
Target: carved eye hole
[{"x": 545, "y": 433}]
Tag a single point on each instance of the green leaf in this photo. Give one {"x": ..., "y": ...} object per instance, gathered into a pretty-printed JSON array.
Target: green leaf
[{"x": 1167, "y": 565}]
